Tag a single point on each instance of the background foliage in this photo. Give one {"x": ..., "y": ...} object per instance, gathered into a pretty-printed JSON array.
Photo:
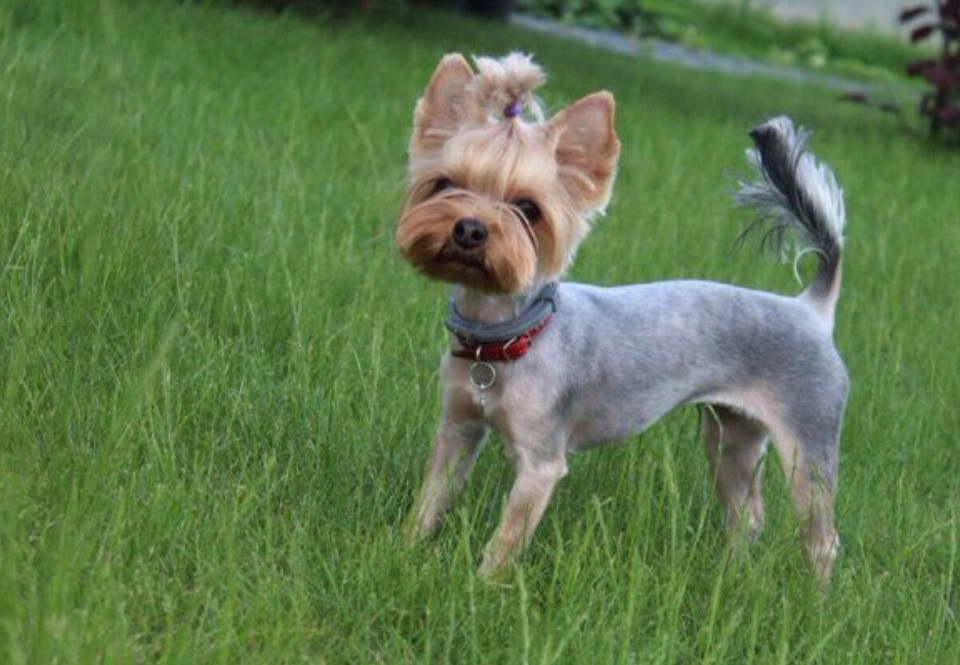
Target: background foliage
[
  {"x": 740, "y": 28},
  {"x": 941, "y": 105}
]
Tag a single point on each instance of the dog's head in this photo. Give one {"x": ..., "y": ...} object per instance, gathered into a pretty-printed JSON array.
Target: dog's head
[{"x": 496, "y": 201}]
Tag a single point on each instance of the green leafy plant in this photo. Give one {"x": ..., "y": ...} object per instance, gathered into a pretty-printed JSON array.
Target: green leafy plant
[
  {"x": 942, "y": 104},
  {"x": 631, "y": 16}
]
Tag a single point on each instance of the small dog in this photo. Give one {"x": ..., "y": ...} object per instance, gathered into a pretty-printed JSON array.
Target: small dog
[{"x": 499, "y": 199}]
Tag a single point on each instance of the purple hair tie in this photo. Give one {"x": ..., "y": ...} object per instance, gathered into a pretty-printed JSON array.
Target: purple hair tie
[{"x": 514, "y": 109}]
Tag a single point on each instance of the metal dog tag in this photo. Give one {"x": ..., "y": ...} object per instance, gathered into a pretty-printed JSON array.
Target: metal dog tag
[{"x": 482, "y": 375}]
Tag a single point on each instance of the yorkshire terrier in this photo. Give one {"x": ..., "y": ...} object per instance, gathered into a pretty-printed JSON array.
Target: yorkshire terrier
[{"x": 499, "y": 199}]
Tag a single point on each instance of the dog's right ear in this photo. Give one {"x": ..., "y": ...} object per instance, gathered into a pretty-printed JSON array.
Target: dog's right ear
[{"x": 443, "y": 106}]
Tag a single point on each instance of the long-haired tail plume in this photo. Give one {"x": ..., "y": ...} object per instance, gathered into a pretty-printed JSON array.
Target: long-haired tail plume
[{"x": 796, "y": 192}]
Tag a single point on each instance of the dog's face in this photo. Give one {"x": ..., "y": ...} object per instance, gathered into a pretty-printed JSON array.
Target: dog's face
[{"x": 495, "y": 202}]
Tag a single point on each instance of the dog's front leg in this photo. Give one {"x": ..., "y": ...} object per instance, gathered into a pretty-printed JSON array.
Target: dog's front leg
[
  {"x": 526, "y": 504},
  {"x": 454, "y": 454}
]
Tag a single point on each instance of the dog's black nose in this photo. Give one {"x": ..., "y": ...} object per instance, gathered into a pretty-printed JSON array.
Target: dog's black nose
[{"x": 469, "y": 233}]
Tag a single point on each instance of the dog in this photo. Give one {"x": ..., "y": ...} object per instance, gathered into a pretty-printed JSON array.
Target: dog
[{"x": 499, "y": 199}]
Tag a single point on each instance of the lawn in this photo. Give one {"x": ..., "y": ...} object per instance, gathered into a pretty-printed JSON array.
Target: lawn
[{"x": 219, "y": 379}]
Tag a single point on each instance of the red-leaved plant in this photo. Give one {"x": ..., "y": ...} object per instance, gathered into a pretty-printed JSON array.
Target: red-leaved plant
[{"x": 942, "y": 105}]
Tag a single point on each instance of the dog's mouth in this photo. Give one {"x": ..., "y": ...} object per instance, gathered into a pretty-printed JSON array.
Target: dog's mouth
[
  {"x": 452, "y": 264},
  {"x": 471, "y": 260}
]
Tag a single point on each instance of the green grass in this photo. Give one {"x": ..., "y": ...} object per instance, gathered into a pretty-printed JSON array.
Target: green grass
[{"x": 219, "y": 379}]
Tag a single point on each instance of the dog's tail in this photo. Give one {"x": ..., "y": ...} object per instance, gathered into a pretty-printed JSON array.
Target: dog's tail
[{"x": 798, "y": 193}]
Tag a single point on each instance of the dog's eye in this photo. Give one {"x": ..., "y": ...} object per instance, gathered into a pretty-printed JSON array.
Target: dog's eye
[
  {"x": 440, "y": 185},
  {"x": 529, "y": 209}
]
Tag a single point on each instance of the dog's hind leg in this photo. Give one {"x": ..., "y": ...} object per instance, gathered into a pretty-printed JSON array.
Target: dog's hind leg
[
  {"x": 804, "y": 421},
  {"x": 810, "y": 465},
  {"x": 735, "y": 446}
]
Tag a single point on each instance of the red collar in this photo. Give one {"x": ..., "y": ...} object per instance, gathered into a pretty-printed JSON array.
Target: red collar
[{"x": 510, "y": 349}]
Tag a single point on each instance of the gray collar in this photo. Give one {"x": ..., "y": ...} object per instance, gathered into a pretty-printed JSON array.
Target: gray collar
[{"x": 542, "y": 305}]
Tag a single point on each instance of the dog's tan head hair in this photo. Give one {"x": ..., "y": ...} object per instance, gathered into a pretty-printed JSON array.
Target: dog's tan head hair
[{"x": 498, "y": 201}]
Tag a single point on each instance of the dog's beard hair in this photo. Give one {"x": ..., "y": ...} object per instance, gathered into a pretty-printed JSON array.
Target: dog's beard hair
[
  {"x": 507, "y": 263},
  {"x": 489, "y": 168}
]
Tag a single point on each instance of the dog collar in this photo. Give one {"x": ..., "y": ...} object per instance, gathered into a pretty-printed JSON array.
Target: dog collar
[{"x": 508, "y": 340}]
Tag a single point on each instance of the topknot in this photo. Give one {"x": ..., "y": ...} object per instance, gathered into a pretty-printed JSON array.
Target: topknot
[{"x": 503, "y": 87}]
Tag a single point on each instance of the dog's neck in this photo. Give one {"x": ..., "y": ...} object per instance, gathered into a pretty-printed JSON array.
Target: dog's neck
[
  {"x": 495, "y": 323},
  {"x": 484, "y": 307}
]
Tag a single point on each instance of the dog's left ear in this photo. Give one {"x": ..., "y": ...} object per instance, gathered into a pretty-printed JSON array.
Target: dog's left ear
[
  {"x": 443, "y": 105},
  {"x": 587, "y": 149}
]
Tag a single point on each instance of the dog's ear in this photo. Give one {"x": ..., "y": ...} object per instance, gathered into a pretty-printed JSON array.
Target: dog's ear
[
  {"x": 443, "y": 106},
  {"x": 587, "y": 149}
]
